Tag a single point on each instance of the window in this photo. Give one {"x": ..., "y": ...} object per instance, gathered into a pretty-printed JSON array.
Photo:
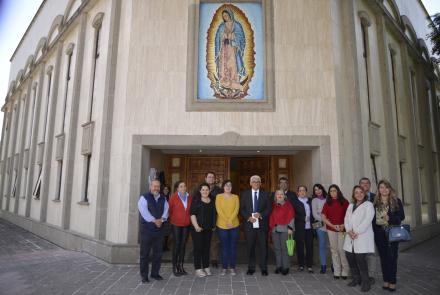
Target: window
[
  {"x": 401, "y": 168},
  {"x": 34, "y": 96},
  {"x": 66, "y": 92},
  {"x": 37, "y": 187},
  {"x": 97, "y": 24},
  {"x": 374, "y": 169},
  {"x": 393, "y": 76},
  {"x": 365, "y": 55},
  {"x": 415, "y": 106},
  {"x": 69, "y": 53},
  {"x": 49, "y": 81},
  {"x": 431, "y": 117}
]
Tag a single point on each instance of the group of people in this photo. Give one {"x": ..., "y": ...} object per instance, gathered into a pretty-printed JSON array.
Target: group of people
[{"x": 353, "y": 228}]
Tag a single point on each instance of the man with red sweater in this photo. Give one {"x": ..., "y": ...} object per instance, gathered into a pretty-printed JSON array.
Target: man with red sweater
[{"x": 179, "y": 208}]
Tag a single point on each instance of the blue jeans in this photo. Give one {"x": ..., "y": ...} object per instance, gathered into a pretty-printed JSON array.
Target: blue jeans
[
  {"x": 322, "y": 240},
  {"x": 228, "y": 244}
]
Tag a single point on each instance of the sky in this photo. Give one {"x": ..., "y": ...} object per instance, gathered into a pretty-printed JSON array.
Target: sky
[{"x": 16, "y": 15}]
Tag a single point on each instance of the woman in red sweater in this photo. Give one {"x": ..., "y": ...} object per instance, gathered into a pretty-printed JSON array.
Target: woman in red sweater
[
  {"x": 333, "y": 215},
  {"x": 179, "y": 205}
]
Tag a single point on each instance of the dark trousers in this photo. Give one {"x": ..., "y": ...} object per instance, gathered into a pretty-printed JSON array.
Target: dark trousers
[
  {"x": 150, "y": 240},
  {"x": 180, "y": 236},
  {"x": 304, "y": 237},
  {"x": 202, "y": 245},
  {"x": 254, "y": 236},
  {"x": 358, "y": 266},
  {"x": 228, "y": 243},
  {"x": 388, "y": 253}
]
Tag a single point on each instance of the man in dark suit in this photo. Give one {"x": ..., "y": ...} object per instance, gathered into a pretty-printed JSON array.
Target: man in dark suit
[
  {"x": 365, "y": 183},
  {"x": 255, "y": 207},
  {"x": 283, "y": 184},
  {"x": 303, "y": 228}
]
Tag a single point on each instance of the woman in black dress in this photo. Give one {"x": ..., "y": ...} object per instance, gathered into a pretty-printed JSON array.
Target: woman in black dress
[{"x": 202, "y": 213}]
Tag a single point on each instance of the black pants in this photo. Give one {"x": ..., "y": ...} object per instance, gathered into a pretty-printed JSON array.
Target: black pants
[
  {"x": 252, "y": 237},
  {"x": 180, "y": 236},
  {"x": 304, "y": 237},
  {"x": 150, "y": 240},
  {"x": 388, "y": 253},
  {"x": 358, "y": 266},
  {"x": 202, "y": 245}
]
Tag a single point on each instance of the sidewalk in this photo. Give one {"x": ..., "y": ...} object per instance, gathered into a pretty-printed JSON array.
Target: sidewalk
[{"x": 30, "y": 265}]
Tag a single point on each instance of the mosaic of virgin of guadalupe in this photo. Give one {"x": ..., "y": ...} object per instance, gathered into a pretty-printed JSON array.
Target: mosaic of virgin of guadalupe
[{"x": 230, "y": 53}]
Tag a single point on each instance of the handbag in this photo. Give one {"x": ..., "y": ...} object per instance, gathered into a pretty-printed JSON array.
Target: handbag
[
  {"x": 290, "y": 242},
  {"x": 317, "y": 224},
  {"x": 398, "y": 233}
]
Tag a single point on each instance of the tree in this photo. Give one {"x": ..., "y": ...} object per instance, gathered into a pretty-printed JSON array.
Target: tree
[{"x": 435, "y": 37}]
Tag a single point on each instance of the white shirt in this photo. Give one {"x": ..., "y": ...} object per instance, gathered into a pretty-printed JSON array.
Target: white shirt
[{"x": 307, "y": 207}]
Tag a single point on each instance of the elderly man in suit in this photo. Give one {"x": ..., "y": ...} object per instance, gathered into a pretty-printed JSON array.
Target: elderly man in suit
[{"x": 255, "y": 207}]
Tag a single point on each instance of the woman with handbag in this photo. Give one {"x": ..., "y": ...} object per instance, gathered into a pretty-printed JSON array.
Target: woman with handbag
[
  {"x": 202, "y": 214},
  {"x": 281, "y": 225},
  {"x": 359, "y": 239},
  {"x": 333, "y": 215},
  {"x": 389, "y": 212},
  {"x": 318, "y": 200},
  {"x": 180, "y": 204}
]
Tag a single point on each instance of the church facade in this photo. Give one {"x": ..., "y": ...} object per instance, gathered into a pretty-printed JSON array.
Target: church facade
[{"x": 103, "y": 92}]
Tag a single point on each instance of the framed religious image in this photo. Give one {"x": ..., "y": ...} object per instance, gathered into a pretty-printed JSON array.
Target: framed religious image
[{"x": 230, "y": 56}]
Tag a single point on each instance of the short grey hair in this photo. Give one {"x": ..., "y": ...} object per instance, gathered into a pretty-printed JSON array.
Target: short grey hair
[
  {"x": 279, "y": 192},
  {"x": 255, "y": 178}
]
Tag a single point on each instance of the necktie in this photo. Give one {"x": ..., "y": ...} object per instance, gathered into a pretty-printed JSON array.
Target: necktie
[{"x": 255, "y": 202}]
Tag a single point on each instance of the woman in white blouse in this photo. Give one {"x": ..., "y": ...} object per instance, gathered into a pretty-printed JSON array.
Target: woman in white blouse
[{"x": 359, "y": 240}]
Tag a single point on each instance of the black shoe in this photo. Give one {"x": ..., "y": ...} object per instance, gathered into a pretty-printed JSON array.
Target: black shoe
[
  {"x": 285, "y": 271},
  {"x": 278, "y": 270},
  {"x": 182, "y": 270},
  {"x": 344, "y": 277},
  {"x": 309, "y": 269},
  {"x": 214, "y": 263},
  {"x": 264, "y": 273},
  {"x": 353, "y": 283},
  {"x": 323, "y": 269},
  {"x": 145, "y": 280},
  {"x": 385, "y": 288},
  {"x": 391, "y": 289},
  {"x": 336, "y": 277},
  {"x": 250, "y": 272},
  {"x": 301, "y": 268},
  {"x": 156, "y": 277},
  {"x": 176, "y": 271},
  {"x": 331, "y": 266},
  {"x": 365, "y": 287}
]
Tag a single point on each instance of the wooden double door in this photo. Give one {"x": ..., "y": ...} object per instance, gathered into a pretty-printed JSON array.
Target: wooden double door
[{"x": 238, "y": 169}]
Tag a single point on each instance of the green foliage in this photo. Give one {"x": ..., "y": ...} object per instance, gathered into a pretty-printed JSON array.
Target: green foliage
[{"x": 435, "y": 37}]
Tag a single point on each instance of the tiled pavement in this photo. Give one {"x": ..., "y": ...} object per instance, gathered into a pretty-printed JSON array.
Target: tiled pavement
[{"x": 30, "y": 265}]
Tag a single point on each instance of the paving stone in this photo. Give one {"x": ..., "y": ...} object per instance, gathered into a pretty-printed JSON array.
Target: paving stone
[{"x": 31, "y": 265}]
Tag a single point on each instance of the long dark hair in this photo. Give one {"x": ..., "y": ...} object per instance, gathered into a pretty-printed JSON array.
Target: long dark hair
[
  {"x": 340, "y": 196},
  {"x": 198, "y": 195},
  {"x": 321, "y": 187}
]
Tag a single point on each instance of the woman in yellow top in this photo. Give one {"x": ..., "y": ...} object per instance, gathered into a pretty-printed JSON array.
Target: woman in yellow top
[{"x": 227, "y": 205}]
